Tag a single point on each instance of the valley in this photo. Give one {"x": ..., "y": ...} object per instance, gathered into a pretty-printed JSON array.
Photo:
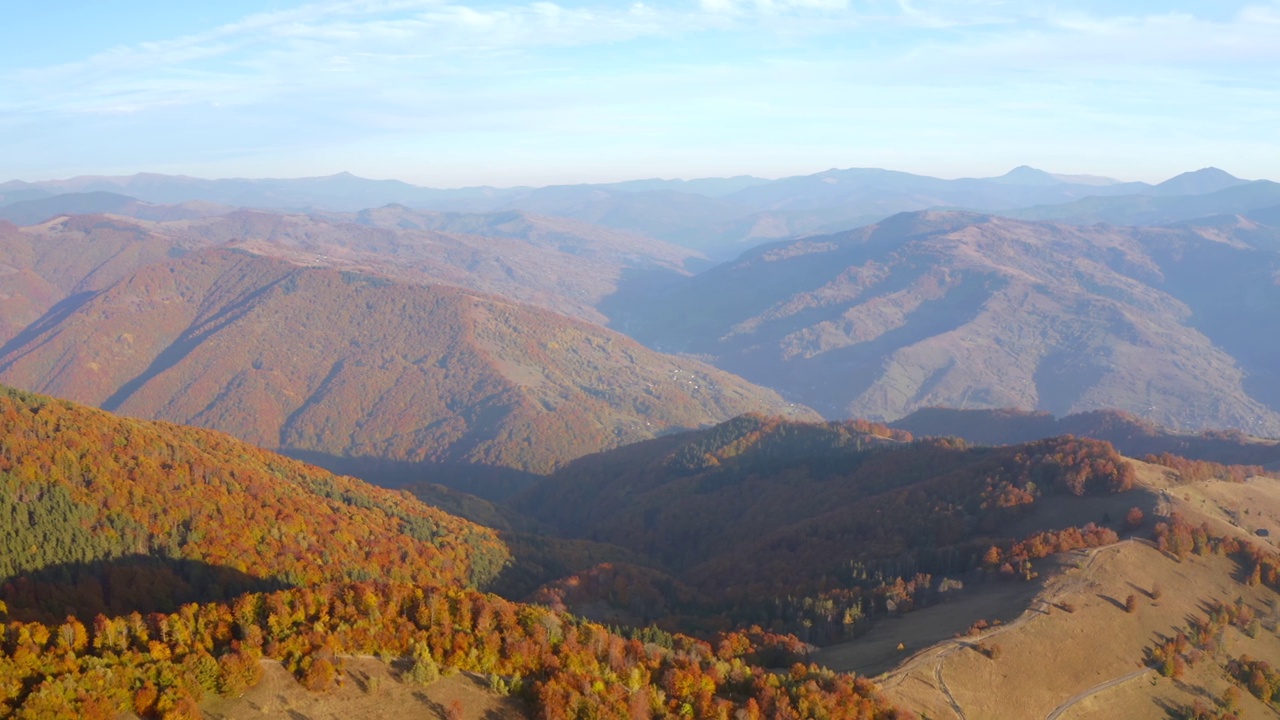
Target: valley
[
  {"x": 593, "y": 451},
  {"x": 652, "y": 360}
]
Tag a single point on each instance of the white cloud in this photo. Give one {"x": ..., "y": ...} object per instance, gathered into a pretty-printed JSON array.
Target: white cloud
[{"x": 714, "y": 70}]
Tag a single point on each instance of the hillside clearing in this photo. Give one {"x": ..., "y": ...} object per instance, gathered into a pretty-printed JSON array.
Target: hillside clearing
[{"x": 1050, "y": 655}]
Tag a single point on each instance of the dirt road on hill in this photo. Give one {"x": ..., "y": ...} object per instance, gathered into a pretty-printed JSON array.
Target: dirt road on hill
[
  {"x": 1057, "y": 712},
  {"x": 1040, "y": 607}
]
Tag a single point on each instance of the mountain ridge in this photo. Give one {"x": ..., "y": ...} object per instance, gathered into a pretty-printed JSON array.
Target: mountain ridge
[
  {"x": 969, "y": 310},
  {"x": 343, "y": 364},
  {"x": 718, "y": 216}
]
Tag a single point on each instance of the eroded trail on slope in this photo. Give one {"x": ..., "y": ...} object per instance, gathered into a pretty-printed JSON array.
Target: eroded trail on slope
[{"x": 1078, "y": 651}]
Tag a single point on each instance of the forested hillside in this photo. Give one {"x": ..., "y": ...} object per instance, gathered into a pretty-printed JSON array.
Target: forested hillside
[
  {"x": 759, "y": 507},
  {"x": 146, "y": 566},
  {"x": 392, "y": 380},
  {"x": 53, "y": 268},
  {"x": 107, "y": 514}
]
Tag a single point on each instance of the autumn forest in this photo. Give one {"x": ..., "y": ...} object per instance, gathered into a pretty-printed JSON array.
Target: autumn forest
[{"x": 849, "y": 445}]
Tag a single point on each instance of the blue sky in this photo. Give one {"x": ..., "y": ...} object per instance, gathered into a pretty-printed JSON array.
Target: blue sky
[{"x": 450, "y": 92}]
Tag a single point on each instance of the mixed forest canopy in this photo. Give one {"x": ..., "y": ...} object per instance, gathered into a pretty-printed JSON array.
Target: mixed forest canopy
[
  {"x": 166, "y": 542},
  {"x": 667, "y": 528}
]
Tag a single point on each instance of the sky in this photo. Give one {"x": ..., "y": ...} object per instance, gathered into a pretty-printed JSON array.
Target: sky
[{"x": 449, "y": 93}]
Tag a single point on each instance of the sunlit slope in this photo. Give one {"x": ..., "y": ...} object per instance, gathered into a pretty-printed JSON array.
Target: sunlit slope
[
  {"x": 1079, "y": 651},
  {"x": 87, "y": 496},
  {"x": 972, "y": 311},
  {"x": 345, "y": 365}
]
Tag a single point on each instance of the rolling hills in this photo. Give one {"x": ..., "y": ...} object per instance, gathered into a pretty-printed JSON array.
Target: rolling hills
[
  {"x": 363, "y": 373},
  {"x": 759, "y": 507},
  {"x": 174, "y": 568},
  {"x": 31, "y": 212},
  {"x": 560, "y": 264},
  {"x": 976, "y": 311},
  {"x": 979, "y": 582},
  {"x": 146, "y": 567}
]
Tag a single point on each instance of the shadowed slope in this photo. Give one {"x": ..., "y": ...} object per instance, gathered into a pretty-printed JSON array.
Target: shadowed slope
[
  {"x": 758, "y": 506},
  {"x": 971, "y": 311}
]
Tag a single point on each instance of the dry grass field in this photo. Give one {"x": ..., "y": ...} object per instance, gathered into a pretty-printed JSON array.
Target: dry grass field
[
  {"x": 369, "y": 690},
  {"x": 1076, "y": 652}
]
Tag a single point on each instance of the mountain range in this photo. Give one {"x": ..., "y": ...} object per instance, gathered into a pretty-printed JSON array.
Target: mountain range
[
  {"x": 561, "y": 264},
  {"x": 716, "y": 216},
  {"x": 661, "y": 488},
  {"x": 941, "y": 307}
]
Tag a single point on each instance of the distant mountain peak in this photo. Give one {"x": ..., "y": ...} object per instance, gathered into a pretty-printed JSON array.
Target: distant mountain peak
[
  {"x": 1210, "y": 171},
  {"x": 1199, "y": 182},
  {"x": 1027, "y": 175}
]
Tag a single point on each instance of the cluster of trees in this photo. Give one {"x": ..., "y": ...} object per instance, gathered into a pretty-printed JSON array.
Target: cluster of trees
[
  {"x": 1226, "y": 707},
  {"x": 1264, "y": 566},
  {"x": 160, "y": 665},
  {"x": 1262, "y": 681},
  {"x": 1180, "y": 538},
  {"x": 843, "y": 613},
  {"x": 1079, "y": 466},
  {"x": 1199, "y": 470},
  {"x": 1203, "y": 636},
  {"x": 1043, "y": 544}
]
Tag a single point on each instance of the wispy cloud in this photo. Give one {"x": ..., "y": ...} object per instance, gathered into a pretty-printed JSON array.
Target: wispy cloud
[{"x": 371, "y": 73}]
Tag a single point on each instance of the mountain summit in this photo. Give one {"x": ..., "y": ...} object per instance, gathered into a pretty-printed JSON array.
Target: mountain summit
[
  {"x": 1027, "y": 175},
  {"x": 1198, "y": 182}
]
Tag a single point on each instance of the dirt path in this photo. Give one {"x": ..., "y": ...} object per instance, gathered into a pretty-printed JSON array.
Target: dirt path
[
  {"x": 1057, "y": 712},
  {"x": 942, "y": 684},
  {"x": 1040, "y": 606}
]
